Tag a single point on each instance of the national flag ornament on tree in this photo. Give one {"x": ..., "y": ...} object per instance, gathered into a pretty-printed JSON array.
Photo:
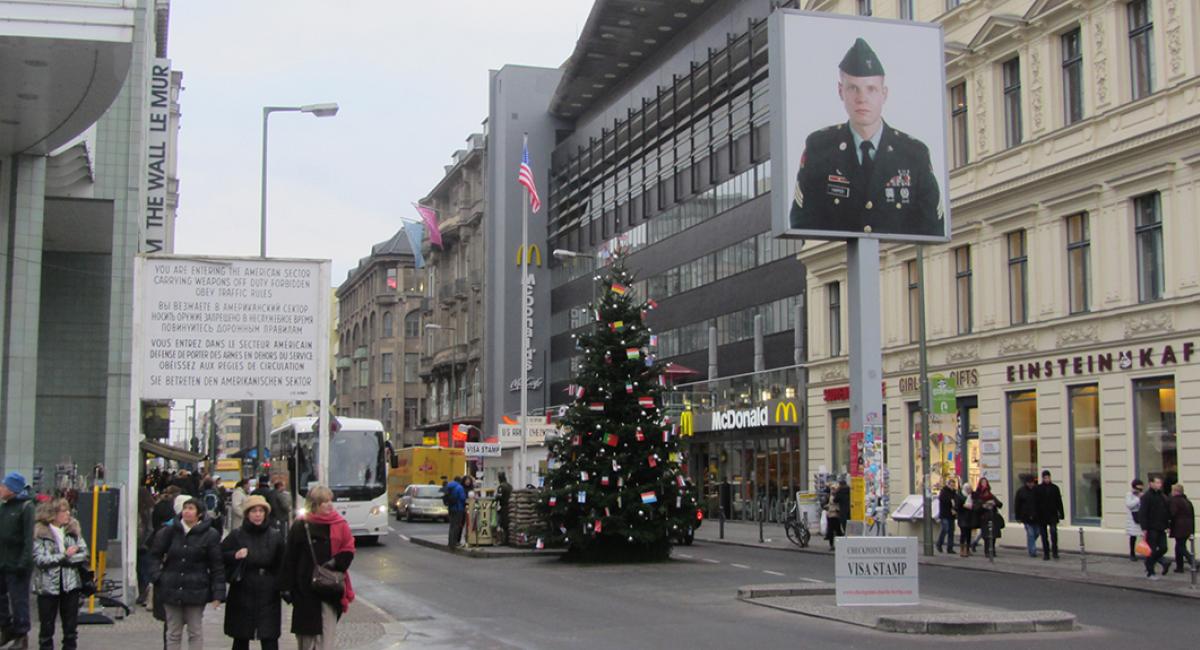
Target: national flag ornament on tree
[
  {"x": 604, "y": 467},
  {"x": 525, "y": 178}
]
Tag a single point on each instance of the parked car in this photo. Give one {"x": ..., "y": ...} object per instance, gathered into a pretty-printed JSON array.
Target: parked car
[{"x": 421, "y": 502}]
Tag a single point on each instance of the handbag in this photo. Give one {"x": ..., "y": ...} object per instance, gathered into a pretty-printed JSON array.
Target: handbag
[
  {"x": 327, "y": 583},
  {"x": 87, "y": 581}
]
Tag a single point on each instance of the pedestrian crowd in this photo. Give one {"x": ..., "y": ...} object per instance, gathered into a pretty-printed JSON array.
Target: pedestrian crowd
[
  {"x": 199, "y": 547},
  {"x": 1153, "y": 518}
]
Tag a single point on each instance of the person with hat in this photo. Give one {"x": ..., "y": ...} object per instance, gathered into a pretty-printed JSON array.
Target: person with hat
[
  {"x": 863, "y": 175},
  {"x": 187, "y": 572},
  {"x": 253, "y": 555},
  {"x": 16, "y": 561}
]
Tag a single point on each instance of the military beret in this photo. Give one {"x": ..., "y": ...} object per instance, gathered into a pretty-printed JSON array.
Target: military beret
[{"x": 860, "y": 61}]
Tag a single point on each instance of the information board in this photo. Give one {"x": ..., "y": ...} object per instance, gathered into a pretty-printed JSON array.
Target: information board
[
  {"x": 876, "y": 571},
  {"x": 232, "y": 328}
]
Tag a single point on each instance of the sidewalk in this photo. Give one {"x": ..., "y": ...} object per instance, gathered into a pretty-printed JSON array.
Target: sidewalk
[
  {"x": 364, "y": 627},
  {"x": 1104, "y": 570}
]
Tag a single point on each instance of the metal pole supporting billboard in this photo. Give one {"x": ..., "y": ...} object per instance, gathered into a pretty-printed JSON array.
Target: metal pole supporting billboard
[
  {"x": 324, "y": 317},
  {"x": 866, "y": 355},
  {"x": 926, "y": 494}
]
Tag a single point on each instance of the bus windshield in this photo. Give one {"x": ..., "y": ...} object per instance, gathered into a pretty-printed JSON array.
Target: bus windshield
[{"x": 356, "y": 464}]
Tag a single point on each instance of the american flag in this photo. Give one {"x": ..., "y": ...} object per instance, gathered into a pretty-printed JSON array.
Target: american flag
[{"x": 525, "y": 178}]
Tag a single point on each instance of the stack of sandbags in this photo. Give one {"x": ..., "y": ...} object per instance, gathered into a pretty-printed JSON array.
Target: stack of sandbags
[{"x": 523, "y": 518}]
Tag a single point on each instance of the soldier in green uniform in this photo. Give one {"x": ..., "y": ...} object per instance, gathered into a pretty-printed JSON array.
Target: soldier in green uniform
[{"x": 863, "y": 175}]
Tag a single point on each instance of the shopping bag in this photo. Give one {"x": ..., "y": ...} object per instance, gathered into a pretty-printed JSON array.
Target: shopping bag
[
  {"x": 1143, "y": 547},
  {"x": 824, "y": 523}
]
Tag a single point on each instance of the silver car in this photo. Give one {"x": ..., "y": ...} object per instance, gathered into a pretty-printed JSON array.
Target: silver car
[{"x": 422, "y": 501}]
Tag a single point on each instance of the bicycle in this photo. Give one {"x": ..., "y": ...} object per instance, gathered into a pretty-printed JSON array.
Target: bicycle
[{"x": 796, "y": 527}]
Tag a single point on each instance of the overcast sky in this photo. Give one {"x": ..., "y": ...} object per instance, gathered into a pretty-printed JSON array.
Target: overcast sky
[{"x": 410, "y": 77}]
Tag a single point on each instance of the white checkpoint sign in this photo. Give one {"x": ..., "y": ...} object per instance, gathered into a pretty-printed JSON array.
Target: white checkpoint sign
[{"x": 232, "y": 328}]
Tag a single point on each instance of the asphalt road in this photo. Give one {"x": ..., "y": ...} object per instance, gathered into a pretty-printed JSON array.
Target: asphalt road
[{"x": 447, "y": 600}]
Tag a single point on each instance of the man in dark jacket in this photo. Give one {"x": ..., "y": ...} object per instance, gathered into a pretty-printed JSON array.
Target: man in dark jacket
[
  {"x": 1155, "y": 517},
  {"x": 1183, "y": 525},
  {"x": 16, "y": 561},
  {"x": 503, "y": 496},
  {"x": 455, "y": 498},
  {"x": 1025, "y": 510},
  {"x": 1049, "y": 512},
  {"x": 948, "y": 505}
]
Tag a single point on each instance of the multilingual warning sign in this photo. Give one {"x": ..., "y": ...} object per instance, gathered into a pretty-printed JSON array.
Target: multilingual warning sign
[{"x": 231, "y": 328}]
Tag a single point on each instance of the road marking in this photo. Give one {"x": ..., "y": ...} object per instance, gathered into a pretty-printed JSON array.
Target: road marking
[
  {"x": 774, "y": 573},
  {"x": 375, "y": 608},
  {"x": 811, "y": 580},
  {"x": 710, "y": 561},
  {"x": 685, "y": 555},
  {"x": 740, "y": 566},
  {"x": 391, "y": 529},
  {"x": 405, "y": 537}
]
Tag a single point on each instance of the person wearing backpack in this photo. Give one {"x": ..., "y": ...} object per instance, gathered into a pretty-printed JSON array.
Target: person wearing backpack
[
  {"x": 214, "y": 505},
  {"x": 455, "y": 498},
  {"x": 16, "y": 561}
]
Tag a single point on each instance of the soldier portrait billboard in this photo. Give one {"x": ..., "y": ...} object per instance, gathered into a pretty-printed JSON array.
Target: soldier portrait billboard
[{"x": 858, "y": 121}]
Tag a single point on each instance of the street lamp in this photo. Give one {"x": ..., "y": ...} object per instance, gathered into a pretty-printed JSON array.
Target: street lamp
[
  {"x": 453, "y": 373},
  {"x": 328, "y": 109}
]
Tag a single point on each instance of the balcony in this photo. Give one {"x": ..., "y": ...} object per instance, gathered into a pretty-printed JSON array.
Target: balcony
[
  {"x": 61, "y": 66},
  {"x": 446, "y": 292},
  {"x": 456, "y": 353},
  {"x": 387, "y": 298},
  {"x": 427, "y": 305}
]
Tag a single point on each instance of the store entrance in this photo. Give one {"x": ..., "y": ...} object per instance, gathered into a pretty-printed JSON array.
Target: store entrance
[
  {"x": 953, "y": 445},
  {"x": 743, "y": 472}
]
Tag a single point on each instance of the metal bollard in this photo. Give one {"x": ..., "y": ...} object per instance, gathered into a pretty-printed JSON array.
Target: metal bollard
[
  {"x": 721, "y": 519},
  {"x": 762, "y": 514},
  {"x": 991, "y": 534},
  {"x": 1082, "y": 554}
]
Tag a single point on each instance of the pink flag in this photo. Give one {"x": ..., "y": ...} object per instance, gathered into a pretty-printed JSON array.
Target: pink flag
[{"x": 430, "y": 219}]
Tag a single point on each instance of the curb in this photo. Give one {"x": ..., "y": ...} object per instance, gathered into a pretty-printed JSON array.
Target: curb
[
  {"x": 480, "y": 552},
  {"x": 1133, "y": 586}
]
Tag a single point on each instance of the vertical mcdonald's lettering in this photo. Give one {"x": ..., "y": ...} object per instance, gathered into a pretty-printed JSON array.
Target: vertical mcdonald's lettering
[{"x": 687, "y": 426}]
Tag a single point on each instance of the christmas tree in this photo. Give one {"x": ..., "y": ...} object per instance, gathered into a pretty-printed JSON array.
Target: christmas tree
[{"x": 615, "y": 490}]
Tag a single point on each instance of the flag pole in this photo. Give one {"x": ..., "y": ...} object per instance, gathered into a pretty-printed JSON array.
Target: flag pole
[{"x": 525, "y": 323}]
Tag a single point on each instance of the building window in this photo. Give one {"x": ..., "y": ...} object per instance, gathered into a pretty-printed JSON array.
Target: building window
[
  {"x": 864, "y": 7},
  {"x": 386, "y": 363},
  {"x": 958, "y": 123},
  {"x": 914, "y": 300},
  {"x": 412, "y": 410},
  {"x": 364, "y": 373},
  {"x": 1022, "y": 438},
  {"x": 1072, "y": 79},
  {"x": 950, "y": 4},
  {"x": 388, "y": 324},
  {"x": 1157, "y": 439},
  {"x": 1079, "y": 277},
  {"x": 411, "y": 367},
  {"x": 1147, "y": 228},
  {"x": 962, "y": 286},
  {"x": 412, "y": 325},
  {"x": 1012, "y": 101},
  {"x": 1085, "y": 454},
  {"x": 393, "y": 279},
  {"x": 840, "y": 419},
  {"x": 1141, "y": 61},
  {"x": 1018, "y": 264},
  {"x": 906, "y": 10},
  {"x": 834, "y": 290}
]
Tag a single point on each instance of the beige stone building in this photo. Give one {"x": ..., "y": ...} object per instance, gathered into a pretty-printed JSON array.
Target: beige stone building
[
  {"x": 378, "y": 332},
  {"x": 1066, "y": 304},
  {"x": 453, "y": 305}
]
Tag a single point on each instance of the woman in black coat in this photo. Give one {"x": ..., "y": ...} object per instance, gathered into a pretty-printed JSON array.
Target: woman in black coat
[
  {"x": 187, "y": 573},
  {"x": 253, "y": 554},
  {"x": 314, "y": 618}
]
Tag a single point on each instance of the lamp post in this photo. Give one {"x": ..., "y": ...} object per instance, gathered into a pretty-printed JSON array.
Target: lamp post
[
  {"x": 453, "y": 373},
  {"x": 328, "y": 109}
]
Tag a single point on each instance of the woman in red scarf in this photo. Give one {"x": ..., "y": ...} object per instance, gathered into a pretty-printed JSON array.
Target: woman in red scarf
[
  {"x": 987, "y": 506},
  {"x": 324, "y": 537}
]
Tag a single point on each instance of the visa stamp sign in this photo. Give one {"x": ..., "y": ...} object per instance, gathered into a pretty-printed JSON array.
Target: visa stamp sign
[
  {"x": 876, "y": 571},
  {"x": 482, "y": 449}
]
